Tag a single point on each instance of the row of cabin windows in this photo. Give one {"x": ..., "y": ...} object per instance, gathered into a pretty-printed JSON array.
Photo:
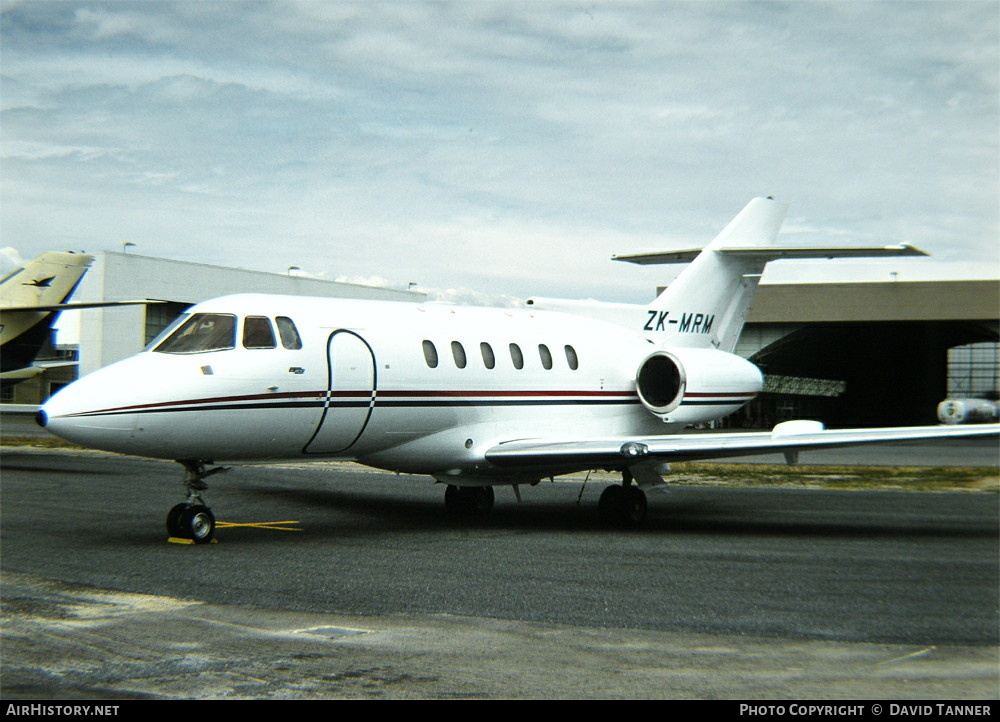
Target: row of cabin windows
[
  {"x": 489, "y": 357},
  {"x": 257, "y": 333}
]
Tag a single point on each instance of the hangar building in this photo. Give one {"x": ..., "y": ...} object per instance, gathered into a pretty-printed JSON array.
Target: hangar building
[
  {"x": 866, "y": 346},
  {"x": 876, "y": 347}
]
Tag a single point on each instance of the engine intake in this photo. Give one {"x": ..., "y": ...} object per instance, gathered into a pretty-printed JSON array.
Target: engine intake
[{"x": 660, "y": 382}]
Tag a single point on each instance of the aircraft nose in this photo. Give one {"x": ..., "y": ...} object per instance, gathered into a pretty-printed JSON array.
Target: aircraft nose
[{"x": 83, "y": 414}]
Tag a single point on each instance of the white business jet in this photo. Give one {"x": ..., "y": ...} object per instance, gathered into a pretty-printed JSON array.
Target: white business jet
[{"x": 475, "y": 397}]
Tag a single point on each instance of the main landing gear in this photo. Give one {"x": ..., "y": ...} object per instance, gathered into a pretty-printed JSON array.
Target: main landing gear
[
  {"x": 620, "y": 505},
  {"x": 623, "y": 504},
  {"x": 193, "y": 519},
  {"x": 469, "y": 501}
]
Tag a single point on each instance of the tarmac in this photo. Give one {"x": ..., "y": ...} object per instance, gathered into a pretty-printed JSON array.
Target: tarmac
[
  {"x": 65, "y": 641},
  {"x": 68, "y": 640}
]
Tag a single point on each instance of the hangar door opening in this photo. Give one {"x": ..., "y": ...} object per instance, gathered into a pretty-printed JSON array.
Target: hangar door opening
[{"x": 886, "y": 373}]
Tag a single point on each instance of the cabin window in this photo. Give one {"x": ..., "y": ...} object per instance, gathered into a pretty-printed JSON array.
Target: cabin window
[
  {"x": 430, "y": 354},
  {"x": 545, "y": 355},
  {"x": 289, "y": 335},
  {"x": 516, "y": 357},
  {"x": 257, "y": 333},
  {"x": 458, "y": 353},
  {"x": 489, "y": 359},
  {"x": 201, "y": 333},
  {"x": 571, "y": 358}
]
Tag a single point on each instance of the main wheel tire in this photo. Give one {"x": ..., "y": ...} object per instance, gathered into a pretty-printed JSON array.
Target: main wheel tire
[
  {"x": 453, "y": 499},
  {"x": 634, "y": 507},
  {"x": 622, "y": 506},
  {"x": 197, "y": 523},
  {"x": 469, "y": 501},
  {"x": 610, "y": 505},
  {"x": 479, "y": 500}
]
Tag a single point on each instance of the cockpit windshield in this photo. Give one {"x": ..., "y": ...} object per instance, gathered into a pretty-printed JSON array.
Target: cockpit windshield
[
  {"x": 169, "y": 329},
  {"x": 202, "y": 332}
]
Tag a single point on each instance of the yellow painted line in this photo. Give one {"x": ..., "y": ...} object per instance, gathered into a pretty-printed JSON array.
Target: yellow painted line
[
  {"x": 275, "y": 525},
  {"x": 920, "y": 653}
]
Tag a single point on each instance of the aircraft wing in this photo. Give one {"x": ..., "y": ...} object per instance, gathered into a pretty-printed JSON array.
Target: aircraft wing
[
  {"x": 76, "y": 306},
  {"x": 15, "y": 375},
  {"x": 788, "y": 438}
]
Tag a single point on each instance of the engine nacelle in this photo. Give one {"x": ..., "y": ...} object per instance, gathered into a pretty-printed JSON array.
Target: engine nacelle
[
  {"x": 692, "y": 386},
  {"x": 660, "y": 382}
]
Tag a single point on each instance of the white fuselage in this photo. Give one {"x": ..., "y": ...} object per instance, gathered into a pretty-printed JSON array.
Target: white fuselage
[{"x": 413, "y": 388}]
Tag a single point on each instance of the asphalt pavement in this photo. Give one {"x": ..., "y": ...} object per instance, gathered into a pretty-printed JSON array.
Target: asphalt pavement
[{"x": 334, "y": 581}]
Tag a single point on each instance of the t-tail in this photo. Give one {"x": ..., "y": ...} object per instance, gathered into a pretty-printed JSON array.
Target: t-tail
[
  {"x": 707, "y": 304},
  {"x": 44, "y": 282},
  {"x": 30, "y": 298}
]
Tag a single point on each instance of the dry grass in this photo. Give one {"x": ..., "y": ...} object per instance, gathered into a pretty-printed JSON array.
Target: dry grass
[{"x": 902, "y": 478}]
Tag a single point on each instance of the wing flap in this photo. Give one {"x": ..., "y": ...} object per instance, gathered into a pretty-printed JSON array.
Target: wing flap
[{"x": 620, "y": 452}]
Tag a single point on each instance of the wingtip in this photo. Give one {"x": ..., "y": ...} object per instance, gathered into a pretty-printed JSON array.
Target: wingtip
[{"x": 911, "y": 250}]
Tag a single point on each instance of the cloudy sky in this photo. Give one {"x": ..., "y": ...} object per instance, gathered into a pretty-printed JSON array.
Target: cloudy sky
[{"x": 504, "y": 146}]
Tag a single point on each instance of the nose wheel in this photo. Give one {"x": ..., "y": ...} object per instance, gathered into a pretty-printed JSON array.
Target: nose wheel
[{"x": 193, "y": 519}]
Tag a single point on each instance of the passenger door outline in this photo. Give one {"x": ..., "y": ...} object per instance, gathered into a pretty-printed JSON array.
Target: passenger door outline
[{"x": 352, "y": 381}]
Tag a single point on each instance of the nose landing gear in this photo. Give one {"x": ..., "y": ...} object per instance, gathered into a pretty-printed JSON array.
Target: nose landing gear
[{"x": 193, "y": 519}]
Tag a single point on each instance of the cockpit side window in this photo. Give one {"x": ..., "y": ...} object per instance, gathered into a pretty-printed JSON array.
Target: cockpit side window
[
  {"x": 201, "y": 333},
  {"x": 257, "y": 333},
  {"x": 290, "y": 338}
]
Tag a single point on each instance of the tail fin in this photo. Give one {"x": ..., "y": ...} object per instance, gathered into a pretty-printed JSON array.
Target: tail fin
[
  {"x": 30, "y": 297},
  {"x": 707, "y": 303}
]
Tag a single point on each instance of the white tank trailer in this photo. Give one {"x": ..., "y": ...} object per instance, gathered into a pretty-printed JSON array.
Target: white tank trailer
[{"x": 968, "y": 411}]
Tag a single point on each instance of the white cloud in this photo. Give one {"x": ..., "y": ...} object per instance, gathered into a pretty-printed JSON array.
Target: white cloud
[
  {"x": 31, "y": 150},
  {"x": 10, "y": 259},
  {"x": 483, "y": 145}
]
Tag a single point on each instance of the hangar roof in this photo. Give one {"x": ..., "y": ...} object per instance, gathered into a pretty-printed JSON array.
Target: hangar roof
[
  {"x": 899, "y": 291},
  {"x": 886, "y": 301}
]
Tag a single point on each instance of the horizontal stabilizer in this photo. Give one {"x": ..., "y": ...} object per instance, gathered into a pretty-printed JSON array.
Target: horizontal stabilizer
[{"x": 774, "y": 253}]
